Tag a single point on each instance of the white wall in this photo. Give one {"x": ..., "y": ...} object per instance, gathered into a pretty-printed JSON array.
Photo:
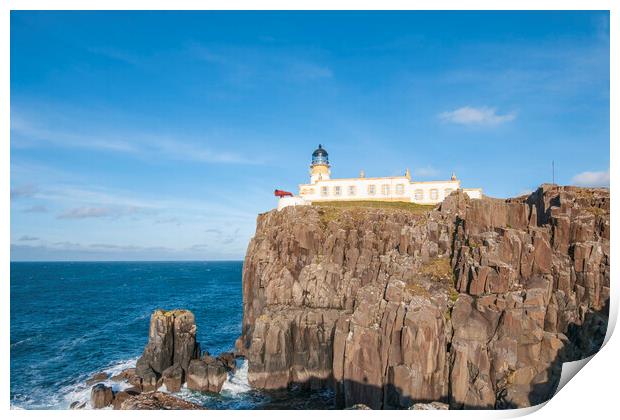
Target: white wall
[
  {"x": 291, "y": 201},
  {"x": 428, "y": 192}
]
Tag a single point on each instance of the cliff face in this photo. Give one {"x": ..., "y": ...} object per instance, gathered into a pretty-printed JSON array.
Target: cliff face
[{"x": 476, "y": 302}]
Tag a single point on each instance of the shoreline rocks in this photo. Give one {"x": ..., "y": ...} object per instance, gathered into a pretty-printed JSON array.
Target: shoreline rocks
[
  {"x": 157, "y": 401},
  {"x": 206, "y": 376},
  {"x": 171, "y": 358},
  {"x": 172, "y": 341},
  {"x": 101, "y": 396},
  {"x": 97, "y": 377}
]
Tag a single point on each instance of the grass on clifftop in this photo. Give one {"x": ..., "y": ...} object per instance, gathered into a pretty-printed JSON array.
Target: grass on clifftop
[
  {"x": 331, "y": 210},
  {"x": 397, "y": 205}
]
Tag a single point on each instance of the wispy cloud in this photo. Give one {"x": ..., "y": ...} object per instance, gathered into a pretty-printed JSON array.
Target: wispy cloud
[
  {"x": 223, "y": 238},
  {"x": 592, "y": 179},
  {"x": 28, "y": 238},
  {"x": 26, "y": 134},
  {"x": 469, "y": 115},
  {"x": 168, "y": 220},
  {"x": 250, "y": 65},
  {"x": 74, "y": 251},
  {"x": 115, "y": 54},
  {"x": 22, "y": 191},
  {"x": 98, "y": 212},
  {"x": 35, "y": 209}
]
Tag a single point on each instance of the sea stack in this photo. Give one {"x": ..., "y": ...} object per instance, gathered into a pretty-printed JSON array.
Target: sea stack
[
  {"x": 171, "y": 346},
  {"x": 474, "y": 303}
]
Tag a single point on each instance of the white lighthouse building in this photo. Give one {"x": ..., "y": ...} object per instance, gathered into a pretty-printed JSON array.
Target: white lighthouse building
[{"x": 392, "y": 188}]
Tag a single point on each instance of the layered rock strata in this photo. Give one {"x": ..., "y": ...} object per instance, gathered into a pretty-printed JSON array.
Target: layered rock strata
[{"x": 475, "y": 303}]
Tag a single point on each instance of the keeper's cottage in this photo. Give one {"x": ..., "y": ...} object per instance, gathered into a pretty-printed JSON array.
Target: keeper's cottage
[{"x": 392, "y": 188}]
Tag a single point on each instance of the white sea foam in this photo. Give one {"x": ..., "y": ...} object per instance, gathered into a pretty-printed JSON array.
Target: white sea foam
[
  {"x": 237, "y": 383},
  {"x": 81, "y": 391},
  {"x": 235, "y": 386}
]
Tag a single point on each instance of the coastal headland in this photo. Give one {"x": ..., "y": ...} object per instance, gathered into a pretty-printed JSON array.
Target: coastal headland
[{"x": 475, "y": 303}]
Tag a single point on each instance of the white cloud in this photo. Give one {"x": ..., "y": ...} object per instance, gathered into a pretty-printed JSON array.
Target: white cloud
[
  {"x": 23, "y": 191},
  {"x": 251, "y": 66},
  {"x": 97, "y": 212},
  {"x": 35, "y": 209},
  {"x": 592, "y": 179},
  {"x": 468, "y": 115},
  {"x": 140, "y": 144}
]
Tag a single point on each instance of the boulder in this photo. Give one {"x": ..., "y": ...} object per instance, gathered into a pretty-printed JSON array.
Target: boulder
[
  {"x": 101, "y": 396},
  {"x": 98, "y": 377},
  {"x": 150, "y": 380},
  {"x": 133, "y": 390},
  {"x": 77, "y": 405},
  {"x": 206, "y": 377},
  {"x": 229, "y": 361},
  {"x": 119, "y": 398},
  {"x": 124, "y": 375},
  {"x": 173, "y": 378}
]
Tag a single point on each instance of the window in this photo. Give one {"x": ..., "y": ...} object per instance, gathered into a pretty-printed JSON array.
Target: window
[
  {"x": 372, "y": 189},
  {"x": 448, "y": 191},
  {"x": 385, "y": 189},
  {"x": 419, "y": 195},
  {"x": 324, "y": 191},
  {"x": 400, "y": 189},
  {"x": 337, "y": 190},
  {"x": 434, "y": 194},
  {"x": 351, "y": 189}
]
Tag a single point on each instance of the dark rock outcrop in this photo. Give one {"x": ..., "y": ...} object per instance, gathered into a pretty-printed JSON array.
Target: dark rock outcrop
[
  {"x": 157, "y": 401},
  {"x": 119, "y": 398},
  {"x": 125, "y": 375},
  {"x": 101, "y": 396},
  {"x": 206, "y": 376},
  {"x": 97, "y": 377},
  {"x": 172, "y": 341},
  {"x": 475, "y": 303},
  {"x": 173, "y": 378},
  {"x": 77, "y": 405},
  {"x": 229, "y": 360}
]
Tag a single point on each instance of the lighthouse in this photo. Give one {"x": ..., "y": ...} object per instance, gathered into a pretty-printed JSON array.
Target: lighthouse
[{"x": 319, "y": 169}]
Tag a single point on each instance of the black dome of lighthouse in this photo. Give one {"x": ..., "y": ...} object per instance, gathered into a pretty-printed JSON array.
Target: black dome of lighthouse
[{"x": 320, "y": 157}]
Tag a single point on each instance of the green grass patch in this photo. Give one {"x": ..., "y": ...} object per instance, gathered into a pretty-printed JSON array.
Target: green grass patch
[
  {"x": 390, "y": 205},
  {"x": 331, "y": 210}
]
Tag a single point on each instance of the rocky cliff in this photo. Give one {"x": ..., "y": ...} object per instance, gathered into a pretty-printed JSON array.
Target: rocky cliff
[{"x": 475, "y": 302}]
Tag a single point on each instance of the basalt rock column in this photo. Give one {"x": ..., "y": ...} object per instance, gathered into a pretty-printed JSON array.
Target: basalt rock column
[
  {"x": 172, "y": 341},
  {"x": 475, "y": 303}
]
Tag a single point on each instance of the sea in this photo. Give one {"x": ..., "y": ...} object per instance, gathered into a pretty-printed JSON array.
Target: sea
[{"x": 70, "y": 320}]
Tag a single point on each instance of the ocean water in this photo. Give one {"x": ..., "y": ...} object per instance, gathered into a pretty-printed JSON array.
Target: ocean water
[{"x": 70, "y": 320}]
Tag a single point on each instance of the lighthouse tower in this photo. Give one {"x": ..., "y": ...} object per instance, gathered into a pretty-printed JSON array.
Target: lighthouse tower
[{"x": 319, "y": 170}]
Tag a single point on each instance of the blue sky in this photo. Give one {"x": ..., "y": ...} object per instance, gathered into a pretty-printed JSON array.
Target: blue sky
[{"x": 161, "y": 135}]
